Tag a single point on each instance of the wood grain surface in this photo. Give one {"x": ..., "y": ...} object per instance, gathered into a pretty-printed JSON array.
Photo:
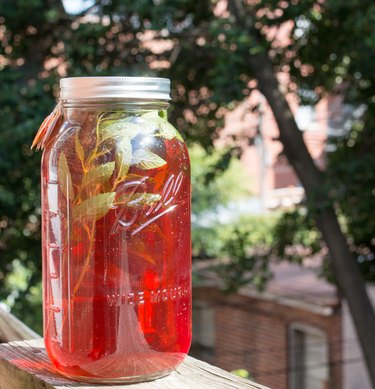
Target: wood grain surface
[{"x": 25, "y": 365}]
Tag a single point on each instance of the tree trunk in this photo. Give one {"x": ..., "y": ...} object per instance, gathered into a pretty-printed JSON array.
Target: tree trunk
[{"x": 348, "y": 277}]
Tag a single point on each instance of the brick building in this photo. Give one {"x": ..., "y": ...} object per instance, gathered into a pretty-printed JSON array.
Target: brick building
[
  {"x": 297, "y": 334},
  {"x": 289, "y": 337},
  {"x": 271, "y": 178}
]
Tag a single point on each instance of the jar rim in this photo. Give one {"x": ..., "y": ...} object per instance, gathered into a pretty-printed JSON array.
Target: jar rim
[{"x": 139, "y": 88}]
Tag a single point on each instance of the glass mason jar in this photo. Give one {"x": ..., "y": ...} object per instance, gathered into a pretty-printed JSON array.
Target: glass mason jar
[{"x": 116, "y": 232}]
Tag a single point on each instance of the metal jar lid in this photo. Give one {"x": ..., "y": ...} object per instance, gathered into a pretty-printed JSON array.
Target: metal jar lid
[{"x": 147, "y": 88}]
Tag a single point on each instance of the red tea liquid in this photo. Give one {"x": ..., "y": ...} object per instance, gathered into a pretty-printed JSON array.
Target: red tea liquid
[{"x": 117, "y": 289}]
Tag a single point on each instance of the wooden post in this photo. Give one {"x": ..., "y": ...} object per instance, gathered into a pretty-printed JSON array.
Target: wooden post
[{"x": 25, "y": 365}]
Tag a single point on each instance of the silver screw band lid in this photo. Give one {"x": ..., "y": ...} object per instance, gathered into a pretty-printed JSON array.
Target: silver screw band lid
[{"x": 148, "y": 88}]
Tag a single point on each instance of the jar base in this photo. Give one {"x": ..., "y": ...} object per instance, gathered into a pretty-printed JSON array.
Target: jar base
[{"x": 118, "y": 381}]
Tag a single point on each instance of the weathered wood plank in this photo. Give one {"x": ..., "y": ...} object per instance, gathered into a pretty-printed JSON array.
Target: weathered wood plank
[
  {"x": 25, "y": 365},
  {"x": 13, "y": 329}
]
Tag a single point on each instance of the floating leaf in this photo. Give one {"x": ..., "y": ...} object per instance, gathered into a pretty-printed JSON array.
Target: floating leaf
[
  {"x": 120, "y": 128},
  {"x": 99, "y": 175},
  {"x": 79, "y": 149},
  {"x": 141, "y": 251},
  {"x": 123, "y": 157},
  {"x": 166, "y": 130},
  {"x": 94, "y": 207},
  {"x": 137, "y": 199},
  {"x": 147, "y": 257},
  {"x": 144, "y": 199},
  {"x": 65, "y": 179},
  {"x": 145, "y": 159},
  {"x": 152, "y": 115}
]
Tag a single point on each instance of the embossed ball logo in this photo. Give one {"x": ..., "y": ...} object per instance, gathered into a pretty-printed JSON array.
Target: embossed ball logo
[{"x": 141, "y": 206}]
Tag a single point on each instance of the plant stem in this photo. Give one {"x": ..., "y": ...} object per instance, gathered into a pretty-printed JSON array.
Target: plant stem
[{"x": 91, "y": 234}]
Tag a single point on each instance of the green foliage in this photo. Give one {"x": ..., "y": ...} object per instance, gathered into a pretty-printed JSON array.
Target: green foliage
[
  {"x": 243, "y": 244},
  {"x": 22, "y": 109},
  {"x": 352, "y": 183},
  {"x": 297, "y": 236},
  {"x": 216, "y": 182},
  {"x": 217, "y": 179},
  {"x": 246, "y": 252}
]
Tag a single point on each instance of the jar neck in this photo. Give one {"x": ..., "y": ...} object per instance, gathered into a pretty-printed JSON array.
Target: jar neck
[
  {"x": 115, "y": 104},
  {"x": 71, "y": 107}
]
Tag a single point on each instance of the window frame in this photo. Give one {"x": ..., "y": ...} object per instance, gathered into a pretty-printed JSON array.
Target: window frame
[{"x": 294, "y": 377}]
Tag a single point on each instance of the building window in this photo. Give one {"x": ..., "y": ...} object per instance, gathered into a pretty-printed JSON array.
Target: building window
[
  {"x": 308, "y": 358},
  {"x": 203, "y": 343}
]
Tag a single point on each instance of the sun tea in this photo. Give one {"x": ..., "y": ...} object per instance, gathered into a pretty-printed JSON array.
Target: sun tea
[{"x": 116, "y": 233}]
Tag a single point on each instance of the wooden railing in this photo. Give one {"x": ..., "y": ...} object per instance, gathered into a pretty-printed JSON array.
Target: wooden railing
[
  {"x": 13, "y": 329},
  {"x": 24, "y": 364}
]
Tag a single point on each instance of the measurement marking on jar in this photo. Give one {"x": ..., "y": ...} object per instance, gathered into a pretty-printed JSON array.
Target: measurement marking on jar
[
  {"x": 54, "y": 308},
  {"x": 54, "y": 246}
]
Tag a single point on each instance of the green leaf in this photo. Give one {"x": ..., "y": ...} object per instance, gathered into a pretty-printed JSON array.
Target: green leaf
[
  {"x": 166, "y": 130},
  {"x": 64, "y": 177},
  {"x": 120, "y": 128},
  {"x": 137, "y": 199},
  {"x": 143, "y": 199},
  {"x": 95, "y": 207},
  {"x": 152, "y": 115},
  {"x": 123, "y": 157},
  {"x": 99, "y": 175},
  {"x": 79, "y": 149},
  {"x": 145, "y": 159}
]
